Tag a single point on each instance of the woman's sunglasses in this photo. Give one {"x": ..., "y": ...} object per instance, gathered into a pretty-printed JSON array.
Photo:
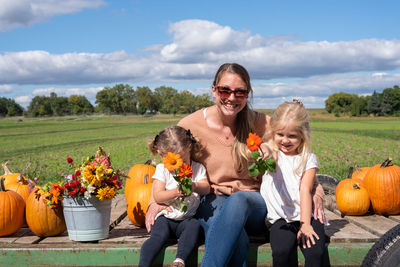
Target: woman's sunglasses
[{"x": 225, "y": 92}]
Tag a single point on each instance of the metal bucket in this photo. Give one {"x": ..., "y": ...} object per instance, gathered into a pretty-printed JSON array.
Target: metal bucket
[{"x": 87, "y": 220}]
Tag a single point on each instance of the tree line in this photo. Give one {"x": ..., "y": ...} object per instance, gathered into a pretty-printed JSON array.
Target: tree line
[
  {"x": 124, "y": 99},
  {"x": 386, "y": 103},
  {"x": 120, "y": 99}
]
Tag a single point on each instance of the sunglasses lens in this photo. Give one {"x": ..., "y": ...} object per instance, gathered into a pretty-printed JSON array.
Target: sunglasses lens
[
  {"x": 226, "y": 92},
  {"x": 240, "y": 93}
]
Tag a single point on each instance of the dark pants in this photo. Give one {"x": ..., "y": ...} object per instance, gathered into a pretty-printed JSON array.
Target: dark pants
[
  {"x": 186, "y": 231},
  {"x": 283, "y": 238}
]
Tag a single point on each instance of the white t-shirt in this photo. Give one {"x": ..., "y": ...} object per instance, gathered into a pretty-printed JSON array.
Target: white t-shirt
[
  {"x": 192, "y": 201},
  {"x": 281, "y": 190}
]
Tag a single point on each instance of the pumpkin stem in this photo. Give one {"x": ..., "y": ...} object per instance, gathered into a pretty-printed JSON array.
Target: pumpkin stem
[
  {"x": 5, "y": 168},
  {"x": 387, "y": 163},
  {"x": 351, "y": 170},
  {"x": 2, "y": 188},
  {"x": 356, "y": 186}
]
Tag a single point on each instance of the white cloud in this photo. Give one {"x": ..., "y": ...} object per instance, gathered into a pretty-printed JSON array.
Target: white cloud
[
  {"x": 316, "y": 89},
  {"x": 5, "y": 88},
  {"x": 313, "y": 70},
  {"x": 198, "y": 48},
  {"x": 22, "y": 13}
]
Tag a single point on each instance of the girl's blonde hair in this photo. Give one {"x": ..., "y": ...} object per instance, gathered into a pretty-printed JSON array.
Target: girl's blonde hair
[
  {"x": 295, "y": 113},
  {"x": 175, "y": 139},
  {"x": 244, "y": 120}
]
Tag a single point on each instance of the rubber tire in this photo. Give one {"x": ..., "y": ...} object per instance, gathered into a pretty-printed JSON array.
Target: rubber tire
[
  {"x": 328, "y": 183},
  {"x": 386, "y": 251}
]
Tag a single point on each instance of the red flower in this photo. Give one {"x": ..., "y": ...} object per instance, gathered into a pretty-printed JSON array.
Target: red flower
[
  {"x": 77, "y": 173},
  {"x": 253, "y": 142},
  {"x": 70, "y": 160},
  {"x": 185, "y": 171}
]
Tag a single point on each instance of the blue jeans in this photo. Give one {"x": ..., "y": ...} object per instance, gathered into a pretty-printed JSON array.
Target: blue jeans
[{"x": 226, "y": 221}]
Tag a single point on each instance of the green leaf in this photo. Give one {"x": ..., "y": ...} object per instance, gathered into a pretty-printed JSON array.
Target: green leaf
[
  {"x": 254, "y": 172},
  {"x": 271, "y": 164},
  {"x": 255, "y": 154},
  {"x": 183, "y": 206}
]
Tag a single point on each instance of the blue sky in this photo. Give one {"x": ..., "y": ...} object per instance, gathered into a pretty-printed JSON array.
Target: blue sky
[{"x": 303, "y": 49}]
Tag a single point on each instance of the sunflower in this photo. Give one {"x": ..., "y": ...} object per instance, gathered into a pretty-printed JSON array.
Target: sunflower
[
  {"x": 253, "y": 142},
  {"x": 172, "y": 161},
  {"x": 106, "y": 193}
]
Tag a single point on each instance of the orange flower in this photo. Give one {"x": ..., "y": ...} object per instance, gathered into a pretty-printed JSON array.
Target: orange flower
[
  {"x": 172, "y": 161},
  {"x": 185, "y": 171},
  {"x": 253, "y": 142}
]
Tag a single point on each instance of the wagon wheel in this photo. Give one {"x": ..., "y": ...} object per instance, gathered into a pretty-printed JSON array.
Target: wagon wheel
[
  {"x": 329, "y": 184},
  {"x": 386, "y": 251}
]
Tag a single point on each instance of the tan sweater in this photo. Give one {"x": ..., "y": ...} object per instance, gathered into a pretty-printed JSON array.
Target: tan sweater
[{"x": 217, "y": 157}]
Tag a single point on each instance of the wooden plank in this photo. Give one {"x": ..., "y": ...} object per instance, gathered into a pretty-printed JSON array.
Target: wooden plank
[
  {"x": 341, "y": 230},
  {"x": 118, "y": 207},
  {"x": 60, "y": 239},
  {"x": 375, "y": 224},
  {"x": 12, "y": 238},
  {"x": 395, "y": 218}
]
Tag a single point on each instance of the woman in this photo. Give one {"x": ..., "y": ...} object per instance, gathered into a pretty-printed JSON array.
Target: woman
[{"x": 235, "y": 206}]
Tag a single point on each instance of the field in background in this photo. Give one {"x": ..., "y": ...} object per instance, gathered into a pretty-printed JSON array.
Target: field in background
[{"x": 38, "y": 147}]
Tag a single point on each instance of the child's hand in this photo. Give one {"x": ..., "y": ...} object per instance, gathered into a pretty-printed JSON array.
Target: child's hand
[
  {"x": 179, "y": 192},
  {"x": 306, "y": 236},
  {"x": 267, "y": 153}
]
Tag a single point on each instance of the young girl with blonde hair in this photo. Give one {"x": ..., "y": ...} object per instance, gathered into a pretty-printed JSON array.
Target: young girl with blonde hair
[
  {"x": 175, "y": 222},
  {"x": 288, "y": 191}
]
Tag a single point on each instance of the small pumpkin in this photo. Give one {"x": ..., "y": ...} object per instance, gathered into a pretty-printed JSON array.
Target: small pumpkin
[
  {"x": 9, "y": 177},
  {"x": 348, "y": 182},
  {"x": 383, "y": 185},
  {"x": 352, "y": 199},
  {"x": 12, "y": 208},
  {"x": 42, "y": 219},
  {"x": 137, "y": 203},
  {"x": 360, "y": 173},
  {"x": 139, "y": 174}
]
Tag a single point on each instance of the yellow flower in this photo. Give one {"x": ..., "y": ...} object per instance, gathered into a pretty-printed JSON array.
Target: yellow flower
[
  {"x": 106, "y": 193},
  {"x": 172, "y": 161},
  {"x": 100, "y": 172},
  {"x": 89, "y": 174}
]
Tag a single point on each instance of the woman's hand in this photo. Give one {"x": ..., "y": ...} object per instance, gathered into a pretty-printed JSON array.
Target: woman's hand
[
  {"x": 318, "y": 208},
  {"x": 152, "y": 211}
]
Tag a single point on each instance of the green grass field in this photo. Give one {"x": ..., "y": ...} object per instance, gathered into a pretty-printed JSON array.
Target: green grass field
[{"x": 38, "y": 147}]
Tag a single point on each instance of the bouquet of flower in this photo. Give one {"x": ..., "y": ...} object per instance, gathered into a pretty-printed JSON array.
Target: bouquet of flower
[
  {"x": 93, "y": 177},
  {"x": 181, "y": 172},
  {"x": 53, "y": 194},
  {"x": 260, "y": 166}
]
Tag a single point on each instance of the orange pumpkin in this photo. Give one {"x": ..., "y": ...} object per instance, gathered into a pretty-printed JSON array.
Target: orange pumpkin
[
  {"x": 137, "y": 203},
  {"x": 360, "y": 173},
  {"x": 352, "y": 199},
  {"x": 11, "y": 211},
  {"x": 9, "y": 177},
  {"x": 22, "y": 188},
  {"x": 348, "y": 182},
  {"x": 383, "y": 185},
  {"x": 42, "y": 219},
  {"x": 139, "y": 174}
]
